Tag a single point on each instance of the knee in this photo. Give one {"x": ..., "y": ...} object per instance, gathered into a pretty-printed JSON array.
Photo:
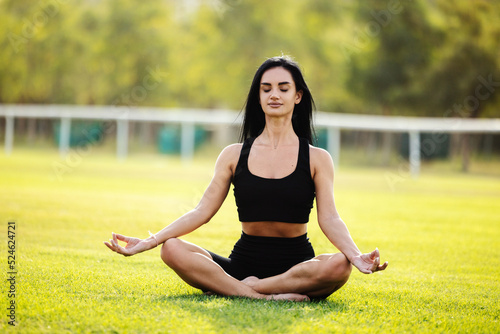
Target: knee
[
  {"x": 337, "y": 269},
  {"x": 169, "y": 250}
]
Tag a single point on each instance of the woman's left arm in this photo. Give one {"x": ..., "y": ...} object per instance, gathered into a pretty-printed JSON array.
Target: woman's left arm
[{"x": 329, "y": 219}]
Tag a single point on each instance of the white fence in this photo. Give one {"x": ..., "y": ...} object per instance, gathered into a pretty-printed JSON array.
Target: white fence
[{"x": 188, "y": 118}]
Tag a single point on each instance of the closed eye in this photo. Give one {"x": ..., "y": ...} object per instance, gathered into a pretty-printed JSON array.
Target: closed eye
[{"x": 268, "y": 90}]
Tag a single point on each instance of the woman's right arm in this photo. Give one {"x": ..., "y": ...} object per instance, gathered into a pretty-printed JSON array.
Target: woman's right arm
[{"x": 208, "y": 206}]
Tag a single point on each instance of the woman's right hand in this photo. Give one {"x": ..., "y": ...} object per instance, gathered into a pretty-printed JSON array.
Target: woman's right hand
[{"x": 134, "y": 245}]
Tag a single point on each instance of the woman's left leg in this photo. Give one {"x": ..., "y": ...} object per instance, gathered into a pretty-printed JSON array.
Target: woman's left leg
[{"x": 318, "y": 277}]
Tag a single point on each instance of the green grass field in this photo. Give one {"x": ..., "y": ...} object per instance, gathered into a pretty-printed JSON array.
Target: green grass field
[{"x": 440, "y": 234}]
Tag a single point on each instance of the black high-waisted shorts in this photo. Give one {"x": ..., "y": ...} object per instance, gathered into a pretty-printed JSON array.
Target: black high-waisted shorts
[{"x": 264, "y": 256}]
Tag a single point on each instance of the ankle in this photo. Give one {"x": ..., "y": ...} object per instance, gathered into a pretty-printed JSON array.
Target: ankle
[{"x": 251, "y": 281}]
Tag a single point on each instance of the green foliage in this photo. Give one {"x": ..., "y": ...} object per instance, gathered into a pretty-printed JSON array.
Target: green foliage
[
  {"x": 440, "y": 235},
  {"x": 398, "y": 50},
  {"x": 423, "y": 58},
  {"x": 466, "y": 61},
  {"x": 386, "y": 56}
]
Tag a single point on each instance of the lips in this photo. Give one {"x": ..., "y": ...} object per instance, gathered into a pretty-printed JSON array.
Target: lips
[{"x": 274, "y": 105}]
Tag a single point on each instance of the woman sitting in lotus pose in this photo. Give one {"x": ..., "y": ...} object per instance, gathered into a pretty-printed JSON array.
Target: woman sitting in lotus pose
[{"x": 276, "y": 175}]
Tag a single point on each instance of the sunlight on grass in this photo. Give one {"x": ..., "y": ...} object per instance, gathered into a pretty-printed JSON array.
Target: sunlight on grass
[{"x": 439, "y": 232}]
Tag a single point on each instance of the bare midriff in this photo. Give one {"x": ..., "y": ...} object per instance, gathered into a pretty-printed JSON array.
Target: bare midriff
[{"x": 274, "y": 229}]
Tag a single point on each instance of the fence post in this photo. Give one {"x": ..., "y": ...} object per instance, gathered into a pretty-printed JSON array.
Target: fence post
[
  {"x": 187, "y": 141},
  {"x": 121, "y": 138},
  {"x": 333, "y": 144},
  {"x": 64, "y": 136},
  {"x": 9, "y": 134},
  {"x": 414, "y": 153}
]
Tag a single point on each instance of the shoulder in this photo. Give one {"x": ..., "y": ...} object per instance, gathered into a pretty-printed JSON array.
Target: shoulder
[
  {"x": 231, "y": 151},
  {"x": 320, "y": 160},
  {"x": 229, "y": 156},
  {"x": 319, "y": 155}
]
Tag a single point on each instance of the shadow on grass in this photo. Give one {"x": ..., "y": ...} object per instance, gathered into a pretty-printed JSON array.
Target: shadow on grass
[{"x": 226, "y": 313}]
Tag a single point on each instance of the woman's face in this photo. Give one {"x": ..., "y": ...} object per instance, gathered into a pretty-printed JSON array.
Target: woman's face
[{"x": 278, "y": 95}]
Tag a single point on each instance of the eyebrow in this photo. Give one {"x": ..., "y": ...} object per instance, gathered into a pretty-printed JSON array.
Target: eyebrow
[{"x": 279, "y": 84}]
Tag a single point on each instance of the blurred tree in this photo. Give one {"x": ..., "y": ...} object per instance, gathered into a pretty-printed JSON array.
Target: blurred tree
[
  {"x": 133, "y": 52},
  {"x": 388, "y": 53},
  {"x": 433, "y": 58},
  {"x": 394, "y": 46},
  {"x": 399, "y": 57},
  {"x": 464, "y": 79},
  {"x": 196, "y": 63},
  {"x": 320, "y": 27},
  {"x": 468, "y": 59},
  {"x": 30, "y": 70}
]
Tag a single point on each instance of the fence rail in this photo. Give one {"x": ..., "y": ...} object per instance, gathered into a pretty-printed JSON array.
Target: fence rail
[{"x": 188, "y": 118}]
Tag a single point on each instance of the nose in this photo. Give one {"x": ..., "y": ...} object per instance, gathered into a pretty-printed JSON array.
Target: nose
[{"x": 274, "y": 95}]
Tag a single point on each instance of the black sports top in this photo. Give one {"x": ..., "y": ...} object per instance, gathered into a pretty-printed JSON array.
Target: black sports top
[{"x": 289, "y": 199}]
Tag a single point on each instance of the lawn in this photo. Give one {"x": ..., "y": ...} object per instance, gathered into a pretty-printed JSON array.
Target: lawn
[{"x": 440, "y": 234}]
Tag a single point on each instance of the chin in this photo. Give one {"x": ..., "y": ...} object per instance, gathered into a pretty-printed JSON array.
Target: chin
[{"x": 277, "y": 112}]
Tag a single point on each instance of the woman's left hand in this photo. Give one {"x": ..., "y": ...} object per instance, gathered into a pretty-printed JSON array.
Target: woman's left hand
[{"x": 369, "y": 263}]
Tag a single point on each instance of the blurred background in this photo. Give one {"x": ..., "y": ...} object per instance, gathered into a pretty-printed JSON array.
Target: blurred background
[{"x": 432, "y": 58}]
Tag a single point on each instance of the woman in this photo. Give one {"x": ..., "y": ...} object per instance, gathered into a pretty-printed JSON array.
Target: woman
[{"x": 276, "y": 174}]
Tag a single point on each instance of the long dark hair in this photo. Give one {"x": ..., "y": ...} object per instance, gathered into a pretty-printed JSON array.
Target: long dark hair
[{"x": 254, "y": 118}]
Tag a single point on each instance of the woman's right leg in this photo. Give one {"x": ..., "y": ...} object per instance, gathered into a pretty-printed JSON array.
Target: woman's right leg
[{"x": 196, "y": 267}]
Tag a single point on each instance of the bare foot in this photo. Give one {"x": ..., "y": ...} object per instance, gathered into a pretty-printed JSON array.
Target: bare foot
[
  {"x": 251, "y": 281},
  {"x": 294, "y": 297}
]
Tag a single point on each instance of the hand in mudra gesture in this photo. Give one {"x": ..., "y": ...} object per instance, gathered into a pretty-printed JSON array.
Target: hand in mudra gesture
[
  {"x": 369, "y": 263},
  {"x": 134, "y": 245}
]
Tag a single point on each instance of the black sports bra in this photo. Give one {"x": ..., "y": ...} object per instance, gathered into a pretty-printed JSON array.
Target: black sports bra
[{"x": 289, "y": 199}]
